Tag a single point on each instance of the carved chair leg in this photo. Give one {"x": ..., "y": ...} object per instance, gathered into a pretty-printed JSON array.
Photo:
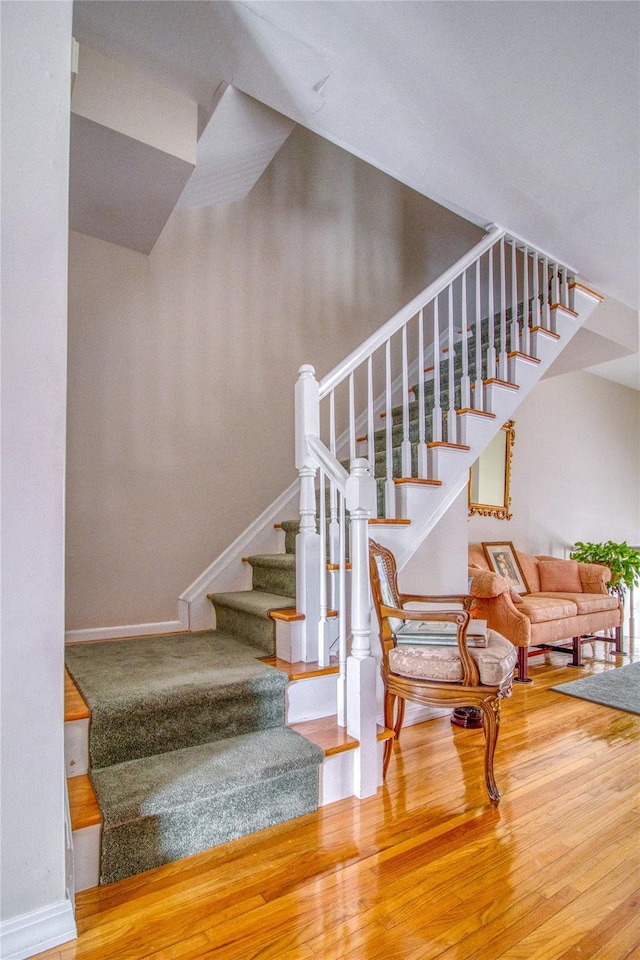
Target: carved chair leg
[
  {"x": 399, "y": 717},
  {"x": 491, "y": 711},
  {"x": 389, "y": 704}
]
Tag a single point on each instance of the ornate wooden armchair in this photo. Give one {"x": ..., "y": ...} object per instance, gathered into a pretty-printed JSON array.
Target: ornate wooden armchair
[{"x": 438, "y": 676}]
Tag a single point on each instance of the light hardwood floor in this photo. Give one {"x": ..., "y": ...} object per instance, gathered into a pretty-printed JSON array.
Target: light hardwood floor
[{"x": 427, "y": 868}]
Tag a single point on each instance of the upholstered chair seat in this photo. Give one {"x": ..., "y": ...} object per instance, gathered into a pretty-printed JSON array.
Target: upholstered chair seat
[{"x": 496, "y": 662}]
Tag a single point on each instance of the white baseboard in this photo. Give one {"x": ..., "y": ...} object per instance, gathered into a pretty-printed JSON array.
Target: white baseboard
[
  {"x": 130, "y": 630},
  {"x": 31, "y": 933}
]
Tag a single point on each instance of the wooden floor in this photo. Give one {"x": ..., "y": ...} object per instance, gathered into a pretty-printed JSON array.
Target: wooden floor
[{"x": 427, "y": 868}]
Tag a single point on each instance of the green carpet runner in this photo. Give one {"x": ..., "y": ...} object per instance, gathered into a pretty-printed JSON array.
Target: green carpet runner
[{"x": 188, "y": 746}]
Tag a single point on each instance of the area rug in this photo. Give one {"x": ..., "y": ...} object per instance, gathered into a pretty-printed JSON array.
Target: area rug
[{"x": 619, "y": 688}]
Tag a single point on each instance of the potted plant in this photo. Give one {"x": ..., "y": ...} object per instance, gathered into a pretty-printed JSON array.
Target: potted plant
[{"x": 622, "y": 560}]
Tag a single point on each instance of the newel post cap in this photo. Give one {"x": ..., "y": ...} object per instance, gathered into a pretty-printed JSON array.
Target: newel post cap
[{"x": 361, "y": 493}]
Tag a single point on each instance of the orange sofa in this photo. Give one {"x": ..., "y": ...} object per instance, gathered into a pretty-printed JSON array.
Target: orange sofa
[{"x": 566, "y": 602}]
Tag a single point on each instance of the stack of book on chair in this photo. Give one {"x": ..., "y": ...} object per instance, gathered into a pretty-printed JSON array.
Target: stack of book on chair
[{"x": 440, "y": 633}]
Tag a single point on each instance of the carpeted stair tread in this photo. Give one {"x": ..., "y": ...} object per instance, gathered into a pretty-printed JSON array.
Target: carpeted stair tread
[
  {"x": 256, "y": 602},
  {"x": 189, "y": 800},
  {"x": 274, "y": 573},
  {"x": 158, "y": 694},
  {"x": 291, "y": 530},
  {"x": 245, "y": 614},
  {"x": 152, "y": 785}
]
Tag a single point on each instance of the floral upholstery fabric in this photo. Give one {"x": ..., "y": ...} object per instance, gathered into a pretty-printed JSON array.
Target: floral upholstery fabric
[
  {"x": 495, "y": 662},
  {"x": 547, "y": 607},
  {"x": 588, "y": 602}
]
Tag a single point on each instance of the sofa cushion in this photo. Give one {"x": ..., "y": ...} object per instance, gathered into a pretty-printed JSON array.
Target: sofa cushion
[
  {"x": 495, "y": 662},
  {"x": 587, "y": 602},
  {"x": 559, "y": 576},
  {"x": 547, "y": 607},
  {"x": 529, "y": 567}
]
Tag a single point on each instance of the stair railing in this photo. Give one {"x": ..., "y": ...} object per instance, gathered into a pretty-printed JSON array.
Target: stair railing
[
  {"x": 355, "y": 491},
  {"x": 417, "y": 373}
]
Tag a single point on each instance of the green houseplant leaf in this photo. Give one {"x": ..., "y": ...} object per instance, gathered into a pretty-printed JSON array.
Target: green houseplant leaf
[{"x": 622, "y": 560}]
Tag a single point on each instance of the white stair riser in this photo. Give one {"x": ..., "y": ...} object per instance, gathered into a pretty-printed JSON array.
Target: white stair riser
[
  {"x": 86, "y": 857},
  {"x": 312, "y": 698},
  {"x": 337, "y": 775},
  {"x": 76, "y": 747}
]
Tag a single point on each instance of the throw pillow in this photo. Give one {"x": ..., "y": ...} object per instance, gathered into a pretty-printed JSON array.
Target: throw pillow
[{"x": 559, "y": 576}]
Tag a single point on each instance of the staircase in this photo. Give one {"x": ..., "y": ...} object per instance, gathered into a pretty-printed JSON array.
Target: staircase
[{"x": 387, "y": 438}]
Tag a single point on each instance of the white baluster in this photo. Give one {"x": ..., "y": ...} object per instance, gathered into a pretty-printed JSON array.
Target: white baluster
[
  {"x": 502, "y": 359},
  {"x": 465, "y": 383},
  {"x": 555, "y": 285},
  {"x": 452, "y": 432},
  {"x": 535, "y": 315},
  {"x": 389, "y": 486},
  {"x": 406, "y": 443},
  {"x": 323, "y": 625},
  {"x": 514, "y": 333},
  {"x": 491, "y": 348},
  {"x": 546, "y": 306},
  {"x": 352, "y": 419},
  {"x": 478, "y": 393},
  {"x": 371, "y": 438},
  {"x": 564, "y": 288},
  {"x": 342, "y": 623},
  {"x": 307, "y": 423},
  {"x": 361, "y": 665},
  {"x": 526, "y": 347},
  {"x": 333, "y": 493},
  {"x": 437, "y": 409},
  {"x": 422, "y": 444}
]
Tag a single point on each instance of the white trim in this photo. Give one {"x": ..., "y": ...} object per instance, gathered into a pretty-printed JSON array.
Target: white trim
[
  {"x": 202, "y": 585},
  {"x": 31, "y": 933},
  {"x": 130, "y": 630}
]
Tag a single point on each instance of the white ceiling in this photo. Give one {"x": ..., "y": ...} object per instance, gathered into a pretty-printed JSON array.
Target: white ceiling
[{"x": 521, "y": 113}]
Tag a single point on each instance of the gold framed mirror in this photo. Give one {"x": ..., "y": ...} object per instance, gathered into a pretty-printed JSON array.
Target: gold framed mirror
[{"x": 490, "y": 477}]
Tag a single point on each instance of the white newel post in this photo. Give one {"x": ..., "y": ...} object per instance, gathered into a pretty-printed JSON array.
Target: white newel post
[
  {"x": 361, "y": 665},
  {"x": 307, "y": 424}
]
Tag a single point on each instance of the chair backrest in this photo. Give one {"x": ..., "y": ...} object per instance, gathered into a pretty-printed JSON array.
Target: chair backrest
[{"x": 384, "y": 589}]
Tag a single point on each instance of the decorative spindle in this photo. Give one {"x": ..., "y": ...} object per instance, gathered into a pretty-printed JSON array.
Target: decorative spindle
[
  {"x": 465, "y": 383},
  {"x": 491, "y": 348},
  {"x": 422, "y": 445},
  {"x": 502, "y": 359},
  {"x": 437, "y": 409},
  {"x": 478, "y": 393},
  {"x": 452, "y": 432},
  {"x": 406, "y": 443}
]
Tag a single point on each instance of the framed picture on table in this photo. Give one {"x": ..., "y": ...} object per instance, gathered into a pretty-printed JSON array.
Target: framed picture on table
[{"x": 503, "y": 559}]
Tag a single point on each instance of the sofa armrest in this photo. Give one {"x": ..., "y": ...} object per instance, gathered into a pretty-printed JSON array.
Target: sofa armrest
[
  {"x": 594, "y": 577},
  {"x": 486, "y": 584},
  {"x": 504, "y": 617}
]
